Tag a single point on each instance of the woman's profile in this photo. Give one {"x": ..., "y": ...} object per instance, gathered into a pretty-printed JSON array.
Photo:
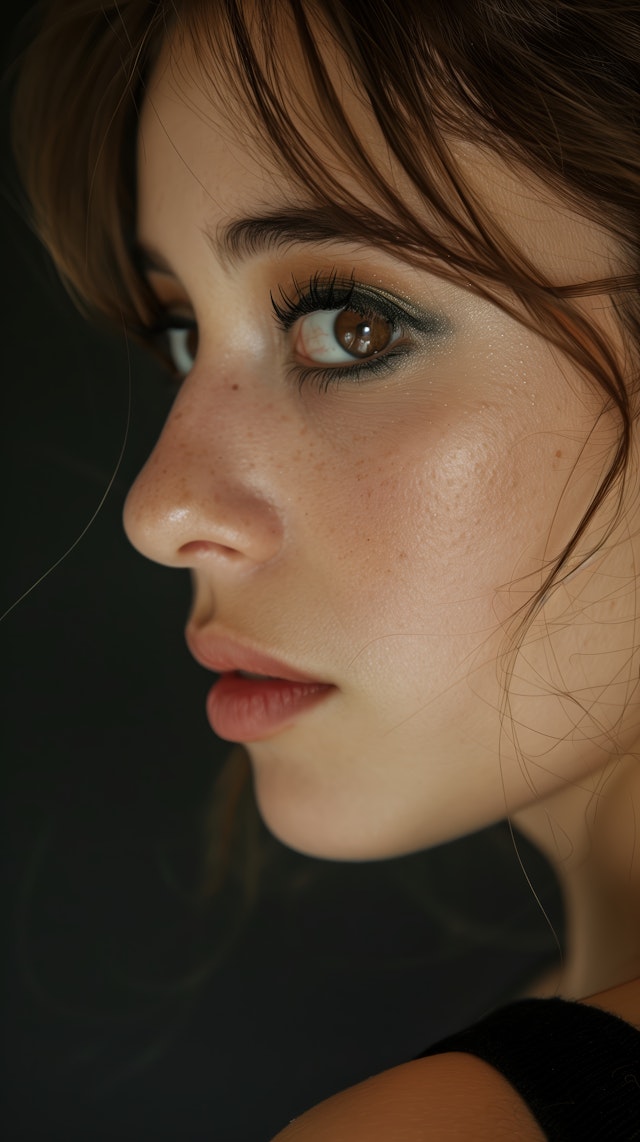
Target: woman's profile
[{"x": 390, "y": 255}]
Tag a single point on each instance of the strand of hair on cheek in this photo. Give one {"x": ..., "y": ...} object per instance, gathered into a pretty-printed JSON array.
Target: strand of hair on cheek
[{"x": 97, "y": 510}]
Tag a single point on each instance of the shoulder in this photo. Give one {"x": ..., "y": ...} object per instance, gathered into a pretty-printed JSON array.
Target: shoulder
[
  {"x": 623, "y": 1001},
  {"x": 448, "y": 1098}
]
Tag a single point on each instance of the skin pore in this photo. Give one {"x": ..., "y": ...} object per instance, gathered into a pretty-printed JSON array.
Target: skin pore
[{"x": 381, "y": 532}]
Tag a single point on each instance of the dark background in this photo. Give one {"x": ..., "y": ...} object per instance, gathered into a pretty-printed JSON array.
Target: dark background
[{"x": 112, "y": 1031}]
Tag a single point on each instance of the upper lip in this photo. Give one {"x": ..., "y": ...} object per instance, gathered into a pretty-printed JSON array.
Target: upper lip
[{"x": 222, "y": 654}]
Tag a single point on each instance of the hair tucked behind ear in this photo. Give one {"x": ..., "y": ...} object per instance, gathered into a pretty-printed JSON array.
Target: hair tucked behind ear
[{"x": 550, "y": 86}]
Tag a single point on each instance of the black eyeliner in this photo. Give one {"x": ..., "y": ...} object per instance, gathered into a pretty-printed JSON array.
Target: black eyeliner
[
  {"x": 331, "y": 292},
  {"x": 326, "y": 377}
]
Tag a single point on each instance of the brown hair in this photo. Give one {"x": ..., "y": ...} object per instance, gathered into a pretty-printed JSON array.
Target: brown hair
[{"x": 551, "y": 86}]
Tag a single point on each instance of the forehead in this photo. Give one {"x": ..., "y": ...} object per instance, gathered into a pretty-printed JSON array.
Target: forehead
[
  {"x": 205, "y": 158},
  {"x": 200, "y": 141}
]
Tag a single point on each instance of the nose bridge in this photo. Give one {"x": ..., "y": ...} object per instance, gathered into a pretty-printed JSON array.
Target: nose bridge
[{"x": 207, "y": 489}]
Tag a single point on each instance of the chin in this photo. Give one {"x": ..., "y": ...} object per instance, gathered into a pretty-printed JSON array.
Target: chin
[{"x": 328, "y": 830}]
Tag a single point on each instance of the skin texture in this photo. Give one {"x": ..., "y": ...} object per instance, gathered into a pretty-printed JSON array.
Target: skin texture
[
  {"x": 381, "y": 535},
  {"x": 421, "y": 1102}
]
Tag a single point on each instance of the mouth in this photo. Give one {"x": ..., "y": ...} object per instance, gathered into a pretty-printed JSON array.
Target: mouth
[
  {"x": 223, "y": 655},
  {"x": 249, "y": 674},
  {"x": 256, "y": 696}
]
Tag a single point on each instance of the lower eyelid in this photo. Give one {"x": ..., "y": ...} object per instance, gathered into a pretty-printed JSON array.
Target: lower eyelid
[{"x": 357, "y": 373}]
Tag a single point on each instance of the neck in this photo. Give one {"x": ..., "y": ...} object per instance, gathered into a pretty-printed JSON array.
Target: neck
[{"x": 590, "y": 833}]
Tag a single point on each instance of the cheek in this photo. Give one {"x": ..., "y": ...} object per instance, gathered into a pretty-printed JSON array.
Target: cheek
[
  {"x": 447, "y": 531},
  {"x": 440, "y": 519}
]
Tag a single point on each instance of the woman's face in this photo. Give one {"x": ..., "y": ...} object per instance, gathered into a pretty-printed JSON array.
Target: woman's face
[{"x": 374, "y": 520}]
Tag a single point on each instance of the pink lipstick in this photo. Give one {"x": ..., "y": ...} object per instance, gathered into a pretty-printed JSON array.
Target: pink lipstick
[{"x": 256, "y": 696}]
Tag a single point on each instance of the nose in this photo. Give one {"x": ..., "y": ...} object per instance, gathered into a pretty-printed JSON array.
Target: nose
[{"x": 204, "y": 497}]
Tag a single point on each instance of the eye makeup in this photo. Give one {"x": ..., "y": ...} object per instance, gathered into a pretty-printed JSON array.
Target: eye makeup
[
  {"x": 338, "y": 330},
  {"x": 407, "y": 328}
]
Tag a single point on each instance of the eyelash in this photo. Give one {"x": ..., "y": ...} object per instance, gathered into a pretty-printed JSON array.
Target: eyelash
[
  {"x": 327, "y": 292},
  {"x": 321, "y": 292}
]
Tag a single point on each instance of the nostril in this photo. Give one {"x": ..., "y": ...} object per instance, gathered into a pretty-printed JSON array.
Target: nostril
[
  {"x": 202, "y": 547},
  {"x": 180, "y": 512}
]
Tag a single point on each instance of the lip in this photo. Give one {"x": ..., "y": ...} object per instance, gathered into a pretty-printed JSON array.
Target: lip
[
  {"x": 242, "y": 709},
  {"x": 224, "y": 655}
]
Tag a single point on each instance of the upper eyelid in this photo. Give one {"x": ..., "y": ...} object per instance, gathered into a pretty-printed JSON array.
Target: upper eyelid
[
  {"x": 167, "y": 306},
  {"x": 363, "y": 297},
  {"x": 169, "y": 295},
  {"x": 170, "y": 320},
  {"x": 178, "y": 298},
  {"x": 318, "y": 294},
  {"x": 392, "y": 306}
]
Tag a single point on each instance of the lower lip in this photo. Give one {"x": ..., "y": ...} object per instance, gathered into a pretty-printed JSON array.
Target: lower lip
[{"x": 248, "y": 709}]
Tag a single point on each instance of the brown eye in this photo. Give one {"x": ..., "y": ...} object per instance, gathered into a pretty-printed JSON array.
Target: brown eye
[
  {"x": 362, "y": 336},
  {"x": 338, "y": 337}
]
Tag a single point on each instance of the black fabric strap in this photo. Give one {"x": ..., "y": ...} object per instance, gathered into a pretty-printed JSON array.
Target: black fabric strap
[{"x": 576, "y": 1067}]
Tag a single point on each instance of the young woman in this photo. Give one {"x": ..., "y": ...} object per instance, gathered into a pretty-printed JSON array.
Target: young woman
[{"x": 391, "y": 256}]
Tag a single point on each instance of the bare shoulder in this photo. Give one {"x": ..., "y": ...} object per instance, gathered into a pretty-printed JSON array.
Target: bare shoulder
[
  {"x": 623, "y": 1001},
  {"x": 445, "y": 1098}
]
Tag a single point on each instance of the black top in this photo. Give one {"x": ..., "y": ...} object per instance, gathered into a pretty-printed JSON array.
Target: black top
[{"x": 576, "y": 1067}]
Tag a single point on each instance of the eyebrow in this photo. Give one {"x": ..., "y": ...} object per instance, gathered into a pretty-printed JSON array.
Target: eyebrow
[{"x": 270, "y": 232}]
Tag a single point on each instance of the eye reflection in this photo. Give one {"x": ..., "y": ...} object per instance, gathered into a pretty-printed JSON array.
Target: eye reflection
[
  {"x": 362, "y": 336},
  {"x": 337, "y": 336}
]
